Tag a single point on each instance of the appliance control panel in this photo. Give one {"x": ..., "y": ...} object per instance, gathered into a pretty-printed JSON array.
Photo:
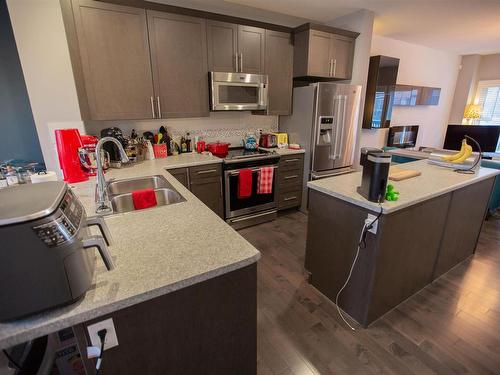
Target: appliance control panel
[{"x": 65, "y": 225}]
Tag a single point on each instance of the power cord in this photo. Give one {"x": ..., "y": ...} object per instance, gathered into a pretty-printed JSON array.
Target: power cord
[
  {"x": 102, "y": 335},
  {"x": 11, "y": 360},
  {"x": 361, "y": 245}
]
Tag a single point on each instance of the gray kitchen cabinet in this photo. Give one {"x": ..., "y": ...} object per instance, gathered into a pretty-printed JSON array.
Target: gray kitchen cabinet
[
  {"x": 342, "y": 54},
  {"x": 205, "y": 182},
  {"x": 222, "y": 45},
  {"x": 279, "y": 68},
  {"x": 181, "y": 174},
  {"x": 179, "y": 64},
  {"x": 290, "y": 180},
  {"x": 251, "y": 47},
  {"x": 235, "y": 48},
  {"x": 319, "y": 57},
  {"x": 209, "y": 191},
  {"x": 114, "y": 59},
  {"x": 323, "y": 52}
]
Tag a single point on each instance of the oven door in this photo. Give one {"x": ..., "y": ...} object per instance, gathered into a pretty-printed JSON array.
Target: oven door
[
  {"x": 255, "y": 203},
  {"x": 238, "y": 92}
]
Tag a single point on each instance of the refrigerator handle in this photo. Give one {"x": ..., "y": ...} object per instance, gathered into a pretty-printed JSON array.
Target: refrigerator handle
[
  {"x": 335, "y": 129},
  {"x": 341, "y": 122}
]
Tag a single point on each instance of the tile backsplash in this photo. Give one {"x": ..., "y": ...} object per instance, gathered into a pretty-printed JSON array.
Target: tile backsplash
[{"x": 224, "y": 126}]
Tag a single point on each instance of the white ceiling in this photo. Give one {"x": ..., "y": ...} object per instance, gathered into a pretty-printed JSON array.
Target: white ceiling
[{"x": 462, "y": 26}]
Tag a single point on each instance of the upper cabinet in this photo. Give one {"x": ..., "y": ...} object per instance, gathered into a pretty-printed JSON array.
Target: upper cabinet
[
  {"x": 251, "y": 46},
  {"x": 116, "y": 69},
  {"x": 380, "y": 92},
  {"x": 133, "y": 63},
  {"x": 408, "y": 95},
  {"x": 138, "y": 64},
  {"x": 179, "y": 63},
  {"x": 323, "y": 52},
  {"x": 279, "y": 68},
  {"x": 222, "y": 43},
  {"x": 235, "y": 48}
]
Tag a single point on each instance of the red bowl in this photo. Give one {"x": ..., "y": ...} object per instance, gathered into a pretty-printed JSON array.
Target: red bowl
[{"x": 218, "y": 148}]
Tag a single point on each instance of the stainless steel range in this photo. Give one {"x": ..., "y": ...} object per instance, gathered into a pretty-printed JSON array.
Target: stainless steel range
[{"x": 257, "y": 208}]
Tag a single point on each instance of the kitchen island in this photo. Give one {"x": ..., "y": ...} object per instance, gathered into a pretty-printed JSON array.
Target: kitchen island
[
  {"x": 433, "y": 226},
  {"x": 182, "y": 295}
]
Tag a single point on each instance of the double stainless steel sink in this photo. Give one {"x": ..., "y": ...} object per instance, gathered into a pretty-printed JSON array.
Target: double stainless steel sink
[{"x": 120, "y": 192}]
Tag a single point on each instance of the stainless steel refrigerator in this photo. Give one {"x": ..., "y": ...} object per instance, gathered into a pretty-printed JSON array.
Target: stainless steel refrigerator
[{"x": 324, "y": 122}]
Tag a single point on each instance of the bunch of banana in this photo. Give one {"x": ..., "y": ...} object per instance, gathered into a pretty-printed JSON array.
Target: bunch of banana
[{"x": 464, "y": 153}]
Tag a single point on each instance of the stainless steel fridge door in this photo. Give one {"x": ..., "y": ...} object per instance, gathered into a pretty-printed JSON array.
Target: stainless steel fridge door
[
  {"x": 324, "y": 129},
  {"x": 335, "y": 125}
]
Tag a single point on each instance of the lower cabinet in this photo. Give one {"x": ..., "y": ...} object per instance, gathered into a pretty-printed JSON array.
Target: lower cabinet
[
  {"x": 208, "y": 328},
  {"x": 205, "y": 182},
  {"x": 290, "y": 180}
]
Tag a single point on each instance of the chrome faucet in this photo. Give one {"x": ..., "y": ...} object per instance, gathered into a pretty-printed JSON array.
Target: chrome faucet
[{"x": 102, "y": 199}]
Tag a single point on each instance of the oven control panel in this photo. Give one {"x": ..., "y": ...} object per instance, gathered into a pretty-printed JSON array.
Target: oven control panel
[{"x": 64, "y": 225}]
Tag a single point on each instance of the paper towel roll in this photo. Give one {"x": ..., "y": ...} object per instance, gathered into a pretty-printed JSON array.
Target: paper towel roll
[{"x": 43, "y": 177}]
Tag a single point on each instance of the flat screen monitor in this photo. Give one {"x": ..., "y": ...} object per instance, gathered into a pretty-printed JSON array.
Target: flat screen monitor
[
  {"x": 402, "y": 136},
  {"x": 485, "y": 135}
]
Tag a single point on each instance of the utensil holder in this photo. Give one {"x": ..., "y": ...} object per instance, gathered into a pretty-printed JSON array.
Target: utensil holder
[{"x": 160, "y": 150}]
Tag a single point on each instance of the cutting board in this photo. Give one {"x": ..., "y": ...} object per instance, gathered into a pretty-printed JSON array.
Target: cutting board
[{"x": 399, "y": 174}]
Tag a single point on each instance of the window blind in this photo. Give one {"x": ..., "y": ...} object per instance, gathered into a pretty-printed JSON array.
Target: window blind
[{"x": 488, "y": 97}]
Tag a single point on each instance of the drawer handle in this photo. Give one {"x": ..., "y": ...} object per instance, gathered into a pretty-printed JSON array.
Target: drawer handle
[
  {"x": 290, "y": 198},
  {"x": 290, "y": 177},
  {"x": 207, "y": 171},
  {"x": 291, "y": 160}
]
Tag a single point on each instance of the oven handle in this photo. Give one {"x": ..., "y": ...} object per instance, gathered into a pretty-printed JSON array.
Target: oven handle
[{"x": 236, "y": 173}]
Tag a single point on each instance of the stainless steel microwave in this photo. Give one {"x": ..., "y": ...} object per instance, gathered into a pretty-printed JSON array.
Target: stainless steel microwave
[{"x": 238, "y": 91}]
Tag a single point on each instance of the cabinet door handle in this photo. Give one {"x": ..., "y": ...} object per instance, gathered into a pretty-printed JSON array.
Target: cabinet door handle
[
  {"x": 207, "y": 171},
  {"x": 241, "y": 62},
  {"x": 159, "y": 106},
  {"x": 290, "y": 198},
  {"x": 236, "y": 61},
  {"x": 330, "y": 68},
  {"x": 188, "y": 179},
  {"x": 334, "y": 68},
  {"x": 220, "y": 179},
  {"x": 152, "y": 107},
  {"x": 290, "y": 177},
  {"x": 290, "y": 160}
]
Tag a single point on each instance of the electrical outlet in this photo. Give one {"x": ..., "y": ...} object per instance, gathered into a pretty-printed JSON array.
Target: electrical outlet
[
  {"x": 110, "y": 341},
  {"x": 369, "y": 219}
]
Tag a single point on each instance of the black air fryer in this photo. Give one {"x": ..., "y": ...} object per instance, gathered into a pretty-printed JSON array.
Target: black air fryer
[
  {"x": 376, "y": 165},
  {"x": 46, "y": 255}
]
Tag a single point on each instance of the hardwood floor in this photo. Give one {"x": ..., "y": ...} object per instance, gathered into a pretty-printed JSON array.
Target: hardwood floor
[{"x": 450, "y": 327}]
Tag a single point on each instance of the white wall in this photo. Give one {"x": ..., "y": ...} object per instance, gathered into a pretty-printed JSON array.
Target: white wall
[
  {"x": 421, "y": 66},
  {"x": 43, "y": 51}
]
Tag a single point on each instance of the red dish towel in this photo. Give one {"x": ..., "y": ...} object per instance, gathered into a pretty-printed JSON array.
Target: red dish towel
[
  {"x": 144, "y": 199},
  {"x": 245, "y": 184},
  {"x": 265, "y": 180}
]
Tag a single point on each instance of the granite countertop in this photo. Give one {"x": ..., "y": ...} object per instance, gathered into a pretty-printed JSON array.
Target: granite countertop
[
  {"x": 433, "y": 181},
  {"x": 156, "y": 251},
  {"x": 284, "y": 151}
]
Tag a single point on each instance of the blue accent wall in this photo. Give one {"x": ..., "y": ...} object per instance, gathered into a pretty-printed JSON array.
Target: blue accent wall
[{"x": 18, "y": 136}]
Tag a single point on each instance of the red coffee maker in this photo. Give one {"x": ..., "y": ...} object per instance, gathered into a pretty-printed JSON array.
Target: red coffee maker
[{"x": 69, "y": 143}]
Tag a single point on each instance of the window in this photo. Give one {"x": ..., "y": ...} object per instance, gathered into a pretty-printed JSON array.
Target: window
[{"x": 488, "y": 97}]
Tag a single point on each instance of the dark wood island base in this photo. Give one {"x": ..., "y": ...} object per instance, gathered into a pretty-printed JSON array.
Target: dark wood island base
[
  {"x": 206, "y": 328},
  {"x": 413, "y": 246}
]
